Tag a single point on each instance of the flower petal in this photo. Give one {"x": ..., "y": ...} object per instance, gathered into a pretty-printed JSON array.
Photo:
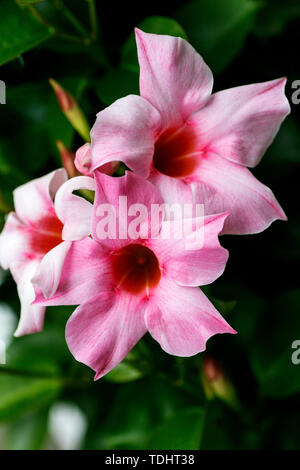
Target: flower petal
[
  {"x": 48, "y": 274},
  {"x": 240, "y": 123},
  {"x": 172, "y": 190},
  {"x": 35, "y": 199},
  {"x": 84, "y": 274},
  {"x": 101, "y": 332},
  {"x": 192, "y": 255},
  {"x": 126, "y": 131},
  {"x": 14, "y": 244},
  {"x": 32, "y": 316},
  {"x": 182, "y": 319},
  {"x": 251, "y": 204},
  {"x": 75, "y": 212},
  {"x": 83, "y": 162},
  {"x": 173, "y": 76},
  {"x": 132, "y": 189}
]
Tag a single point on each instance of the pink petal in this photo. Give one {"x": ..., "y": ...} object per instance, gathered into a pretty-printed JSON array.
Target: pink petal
[
  {"x": 192, "y": 260},
  {"x": 226, "y": 186},
  {"x": 172, "y": 190},
  {"x": 101, "y": 332},
  {"x": 133, "y": 189},
  {"x": 240, "y": 123},
  {"x": 34, "y": 200},
  {"x": 173, "y": 76},
  {"x": 182, "y": 319},
  {"x": 14, "y": 242},
  {"x": 75, "y": 212},
  {"x": 85, "y": 273},
  {"x": 126, "y": 131},
  {"x": 83, "y": 162},
  {"x": 32, "y": 316},
  {"x": 48, "y": 274}
]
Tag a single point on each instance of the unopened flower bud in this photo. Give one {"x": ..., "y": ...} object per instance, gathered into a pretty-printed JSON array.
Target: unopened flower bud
[
  {"x": 215, "y": 382},
  {"x": 67, "y": 158},
  {"x": 71, "y": 110}
]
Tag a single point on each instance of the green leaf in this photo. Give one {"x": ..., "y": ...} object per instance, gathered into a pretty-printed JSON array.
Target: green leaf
[
  {"x": 271, "y": 358},
  {"x": 19, "y": 395},
  {"x": 29, "y": 2},
  {"x": 28, "y": 433},
  {"x": 275, "y": 15},
  {"x": 124, "y": 372},
  {"x": 116, "y": 84},
  {"x": 20, "y": 31},
  {"x": 218, "y": 29},
  {"x": 181, "y": 432},
  {"x": 35, "y": 353},
  {"x": 152, "y": 24},
  {"x": 136, "y": 410},
  {"x": 35, "y": 125}
]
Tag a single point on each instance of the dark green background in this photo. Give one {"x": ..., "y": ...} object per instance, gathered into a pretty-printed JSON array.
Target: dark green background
[{"x": 156, "y": 401}]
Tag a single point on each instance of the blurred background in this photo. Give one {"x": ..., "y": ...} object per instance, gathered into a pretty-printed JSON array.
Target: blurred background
[{"x": 244, "y": 393}]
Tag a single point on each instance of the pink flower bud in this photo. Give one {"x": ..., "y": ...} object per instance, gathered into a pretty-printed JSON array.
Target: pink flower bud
[
  {"x": 67, "y": 158},
  {"x": 71, "y": 110}
]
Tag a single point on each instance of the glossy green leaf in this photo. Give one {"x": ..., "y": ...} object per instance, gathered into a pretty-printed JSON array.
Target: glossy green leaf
[
  {"x": 124, "y": 372},
  {"x": 116, "y": 84},
  {"x": 28, "y": 433},
  {"x": 218, "y": 29},
  {"x": 19, "y": 394},
  {"x": 20, "y": 31},
  {"x": 33, "y": 121}
]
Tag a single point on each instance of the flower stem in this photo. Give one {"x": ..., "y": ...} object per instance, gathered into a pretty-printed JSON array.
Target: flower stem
[
  {"x": 93, "y": 18},
  {"x": 70, "y": 17}
]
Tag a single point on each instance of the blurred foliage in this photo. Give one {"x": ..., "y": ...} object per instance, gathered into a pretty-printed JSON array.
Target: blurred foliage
[{"x": 153, "y": 400}]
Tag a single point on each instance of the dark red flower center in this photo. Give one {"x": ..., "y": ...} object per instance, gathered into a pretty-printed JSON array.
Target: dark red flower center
[
  {"x": 175, "y": 152},
  {"x": 136, "y": 268},
  {"x": 46, "y": 234}
]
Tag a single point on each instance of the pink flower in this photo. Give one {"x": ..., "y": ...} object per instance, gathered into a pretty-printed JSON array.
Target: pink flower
[
  {"x": 125, "y": 287},
  {"x": 34, "y": 242},
  {"x": 194, "y": 145}
]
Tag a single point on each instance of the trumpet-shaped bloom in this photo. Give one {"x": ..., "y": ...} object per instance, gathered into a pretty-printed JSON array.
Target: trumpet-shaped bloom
[
  {"x": 34, "y": 243},
  {"x": 126, "y": 286},
  {"x": 194, "y": 145}
]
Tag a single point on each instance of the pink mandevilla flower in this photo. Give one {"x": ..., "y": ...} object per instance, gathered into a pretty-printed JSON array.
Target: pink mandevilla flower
[
  {"x": 125, "y": 287},
  {"x": 194, "y": 145},
  {"x": 34, "y": 241}
]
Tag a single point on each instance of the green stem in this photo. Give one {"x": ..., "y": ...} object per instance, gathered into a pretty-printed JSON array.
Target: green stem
[
  {"x": 70, "y": 17},
  {"x": 93, "y": 18}
]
